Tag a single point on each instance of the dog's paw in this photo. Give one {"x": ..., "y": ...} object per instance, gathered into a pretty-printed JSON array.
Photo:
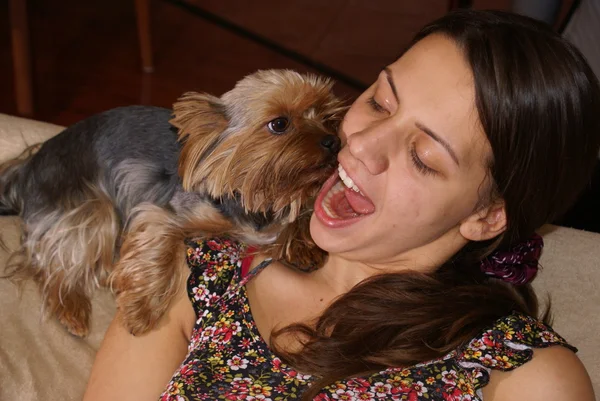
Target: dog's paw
[
  {"x": 305, "y": 257},
  {"x": 75, "y": 325},
  {"x": 294, "y": 247},
  {"x": 74, "y": 315}
]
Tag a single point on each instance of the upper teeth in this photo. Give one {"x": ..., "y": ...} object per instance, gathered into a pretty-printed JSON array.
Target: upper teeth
[{"x": 347, "y": 180}]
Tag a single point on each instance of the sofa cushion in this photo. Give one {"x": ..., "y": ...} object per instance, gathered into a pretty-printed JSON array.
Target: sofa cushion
[{"x": 16, "y": 134}]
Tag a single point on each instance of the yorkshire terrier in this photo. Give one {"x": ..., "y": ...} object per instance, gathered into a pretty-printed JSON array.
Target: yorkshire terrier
[{"x": 109, "y": 200}]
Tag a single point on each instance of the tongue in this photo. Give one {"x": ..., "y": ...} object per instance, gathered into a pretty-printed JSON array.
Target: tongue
[
  {"x": 341, "y": 207},
  {"x": 359, "y": 203},
  {"x": 348, "y": 204}
]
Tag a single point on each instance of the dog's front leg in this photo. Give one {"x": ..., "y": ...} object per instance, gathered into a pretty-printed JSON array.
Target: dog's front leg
[
  {"x": 148, "y": 274},
  {"x": 146, "y": 277}
]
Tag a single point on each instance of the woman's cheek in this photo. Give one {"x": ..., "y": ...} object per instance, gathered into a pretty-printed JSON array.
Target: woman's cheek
[{"x": 412, "y": 199}]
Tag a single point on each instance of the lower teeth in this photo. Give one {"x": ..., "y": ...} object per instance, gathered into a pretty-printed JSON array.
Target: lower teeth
[
  {"x": 329, "y": 212},
  {"x": 338, "y": 187}
]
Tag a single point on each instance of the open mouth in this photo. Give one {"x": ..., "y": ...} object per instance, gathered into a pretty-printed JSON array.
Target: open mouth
[{"x": 340, "y": 202}]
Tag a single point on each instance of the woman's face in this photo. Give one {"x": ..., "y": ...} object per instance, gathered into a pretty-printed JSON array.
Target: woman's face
[{"x": 416, "y": 152}]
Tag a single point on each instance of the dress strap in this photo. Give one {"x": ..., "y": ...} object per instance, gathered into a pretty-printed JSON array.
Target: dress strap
[
  {"x": 247, "y": 261},
  {"x": 247, "y": 274}
]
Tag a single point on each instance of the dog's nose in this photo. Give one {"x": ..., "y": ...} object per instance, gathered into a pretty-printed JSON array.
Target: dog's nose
[{"x": 331, "y": 143}]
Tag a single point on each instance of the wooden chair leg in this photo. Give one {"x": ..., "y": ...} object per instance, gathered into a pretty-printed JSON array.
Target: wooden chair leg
[
  {"x": 21, "y": 57},
  {"x": 142, "y": 10}
]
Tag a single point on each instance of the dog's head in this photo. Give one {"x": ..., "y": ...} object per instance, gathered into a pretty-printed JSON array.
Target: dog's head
[{"x": 270, "y": 142}]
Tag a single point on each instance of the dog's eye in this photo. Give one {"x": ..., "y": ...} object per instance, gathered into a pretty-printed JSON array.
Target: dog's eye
[{"x": 279, "y": 125}]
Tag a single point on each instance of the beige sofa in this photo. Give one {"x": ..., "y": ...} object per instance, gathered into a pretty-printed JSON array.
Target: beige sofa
[{"x": 40, "y": 361}]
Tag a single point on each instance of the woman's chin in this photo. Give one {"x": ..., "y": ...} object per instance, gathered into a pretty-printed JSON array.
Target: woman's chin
[{"x": 332, "y": 240}]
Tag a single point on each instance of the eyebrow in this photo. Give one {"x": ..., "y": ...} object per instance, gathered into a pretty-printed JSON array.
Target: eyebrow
[
  {"x": 390, "y": 80},
  {"x": 423, "y": 128},
  {"x": 440, "y": 140}
]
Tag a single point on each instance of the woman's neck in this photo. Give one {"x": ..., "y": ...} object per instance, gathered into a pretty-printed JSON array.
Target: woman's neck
[{"x": 340, "y": 273}]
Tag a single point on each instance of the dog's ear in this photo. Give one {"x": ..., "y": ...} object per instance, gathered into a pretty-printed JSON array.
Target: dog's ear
[{"x": 200, "y": 119}]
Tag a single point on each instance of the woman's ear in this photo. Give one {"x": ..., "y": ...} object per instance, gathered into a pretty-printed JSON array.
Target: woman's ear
[{"x": 486, "y": 223}]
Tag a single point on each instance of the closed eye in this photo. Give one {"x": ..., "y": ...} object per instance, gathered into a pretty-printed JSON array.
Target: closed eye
[
  {"x": 418, "y": 163},
  {"x": 375, "y": 106}
]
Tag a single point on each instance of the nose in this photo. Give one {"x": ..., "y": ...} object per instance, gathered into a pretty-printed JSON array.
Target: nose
[
  {"x": 331, "y": 143},
  {"x": 373, "y": 147}
]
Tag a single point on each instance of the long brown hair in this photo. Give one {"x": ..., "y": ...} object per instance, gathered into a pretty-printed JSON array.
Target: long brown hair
[{"x": 539, "y": 105}]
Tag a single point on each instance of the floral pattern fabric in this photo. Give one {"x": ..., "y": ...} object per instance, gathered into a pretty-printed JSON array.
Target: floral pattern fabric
[{"x": 228, "y": 359}]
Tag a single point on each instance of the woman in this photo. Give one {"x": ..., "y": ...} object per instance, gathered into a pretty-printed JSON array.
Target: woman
[{"x": 485, "y": 129}]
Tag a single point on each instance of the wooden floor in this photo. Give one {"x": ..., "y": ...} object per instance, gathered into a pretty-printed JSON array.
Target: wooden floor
[
  {"x": 85, "y": 53},
  {"x": 86, "y": 57}
]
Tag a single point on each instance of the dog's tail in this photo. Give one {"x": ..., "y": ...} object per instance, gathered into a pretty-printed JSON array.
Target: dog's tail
[{"x": 11, "y": 202}]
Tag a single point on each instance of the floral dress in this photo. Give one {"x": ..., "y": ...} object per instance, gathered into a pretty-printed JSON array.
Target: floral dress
[{"x": 228, "y": 359}]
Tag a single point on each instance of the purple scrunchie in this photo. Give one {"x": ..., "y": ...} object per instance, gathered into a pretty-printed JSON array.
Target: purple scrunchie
[{"x": 518, "y": 265}]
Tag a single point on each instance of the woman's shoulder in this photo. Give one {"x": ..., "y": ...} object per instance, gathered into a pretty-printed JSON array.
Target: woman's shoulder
[
  {"x": 552, "y": 374},
  {"x": 513, "y": 344},
  {"x": 485, "y": 362},
  {"x": 526, "y": 358},
  {"x": 509, "y": 342}
]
